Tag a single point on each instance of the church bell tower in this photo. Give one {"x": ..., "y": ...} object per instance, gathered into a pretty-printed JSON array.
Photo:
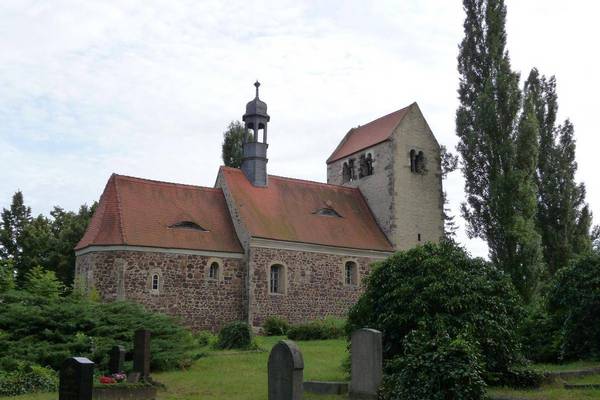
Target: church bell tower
[{"x": 254, "y": 147}]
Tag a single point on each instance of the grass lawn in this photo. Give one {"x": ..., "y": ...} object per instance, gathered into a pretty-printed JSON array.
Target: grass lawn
[{"x": 230, "y": 375}]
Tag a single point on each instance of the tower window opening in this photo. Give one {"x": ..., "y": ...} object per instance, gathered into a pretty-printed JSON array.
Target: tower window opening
[
  {"x": 351, "y": 173},
  {"x": 365, "y": 165},
  {"x": 418, "y": 237},
  {"x": 417, "y": 162}
]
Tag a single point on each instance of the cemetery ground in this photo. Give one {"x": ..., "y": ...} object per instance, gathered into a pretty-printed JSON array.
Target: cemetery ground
[{"x": 233, "y": 374}]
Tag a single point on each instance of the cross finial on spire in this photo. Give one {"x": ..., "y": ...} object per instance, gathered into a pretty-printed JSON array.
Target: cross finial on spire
[{"x": 257, "y": 84}]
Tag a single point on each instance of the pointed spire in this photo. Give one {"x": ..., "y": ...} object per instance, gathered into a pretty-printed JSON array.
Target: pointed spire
[{"x": 257, "y": 85}]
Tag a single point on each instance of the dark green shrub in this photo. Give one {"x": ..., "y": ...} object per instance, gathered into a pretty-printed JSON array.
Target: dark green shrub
[
  {"x": 275, "y": 326},
  {"x": 328, "y": 328},
  {"x": 46, "y": 330},
  {"x": 540, "y": 335},
  {"x": 574, "y": 305},
  {"x": 440, "y": 287},
  {"x": 236, "y": 335},
  {"x": 27, "y": 378},
  {"x": 434, "y": 368}
]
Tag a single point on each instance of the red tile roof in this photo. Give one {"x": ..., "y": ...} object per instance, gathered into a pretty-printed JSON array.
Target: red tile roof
[
  {"x": 285, "y": 210},
  {"x": 368, "y": 135},
  {"x": 138, "y": 212}
]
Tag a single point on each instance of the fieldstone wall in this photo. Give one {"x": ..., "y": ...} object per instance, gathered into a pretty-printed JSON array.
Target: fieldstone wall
[
  {"x": 185, "y": 289},
  {"x": 315, "y": 285}
]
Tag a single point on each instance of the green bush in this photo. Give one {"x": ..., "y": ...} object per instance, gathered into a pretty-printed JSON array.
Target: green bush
[
  {"x": 574, "y": 306},
  {"x": 434, "y": 368},
  {"x": 275, "y": 326},
  {"x": 540, "y": 335},
  {"x": 27, "y": 378},
  {"x": 205, "y": 339},
  {"x": 328, "y": 328},
  {"x": 46, "y": 330},
  {"x": 236, "y": 335},
  {"x": 439, "y": 286}
]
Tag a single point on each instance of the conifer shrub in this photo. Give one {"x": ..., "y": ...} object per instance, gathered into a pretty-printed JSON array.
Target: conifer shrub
[
  {"x": 275, "y": 326},
  {"x": 236, "y": 335},
  {"x": 440, "y": 288},
  {"x": 45, "y": 330}
]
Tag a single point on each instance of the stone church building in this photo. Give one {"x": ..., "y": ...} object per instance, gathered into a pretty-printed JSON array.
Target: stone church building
[{"x": 257, "y": 245}]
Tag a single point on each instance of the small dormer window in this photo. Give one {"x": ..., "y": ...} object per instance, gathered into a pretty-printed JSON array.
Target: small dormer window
[
  {"x": 327, "y": 212},
  {"x": 188, "y": 225}
]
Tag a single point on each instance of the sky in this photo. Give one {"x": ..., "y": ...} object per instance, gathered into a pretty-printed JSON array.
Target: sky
[{"x": 146, "y": 88}]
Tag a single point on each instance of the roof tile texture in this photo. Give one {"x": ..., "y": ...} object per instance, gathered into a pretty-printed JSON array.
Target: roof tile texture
[{"x": 138, "y": 212}]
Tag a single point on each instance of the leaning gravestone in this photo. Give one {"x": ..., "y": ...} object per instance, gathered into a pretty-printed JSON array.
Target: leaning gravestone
[
  {"x": 141, "y": 353},
  {"x": 76, "y": 379},
  {"x": 286, "y": 371},
  {"x": 116, "y": 359},
  {"x": 367, "y": 363}
]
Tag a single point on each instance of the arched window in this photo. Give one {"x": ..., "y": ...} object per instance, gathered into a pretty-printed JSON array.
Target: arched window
[
  {"x": 420, "y": 163},
  {"x": 345, "y": 172},
  {"x": 350, "y": 273},
  {"x": 369, "y": 164},
  {"x": 213, "y": 272},
  {"x": 413, "y": 161},
  {"x": 277, "y": 279},
  {"x": 155, "y": 282}
]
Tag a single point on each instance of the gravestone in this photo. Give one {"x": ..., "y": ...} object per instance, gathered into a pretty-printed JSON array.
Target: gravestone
[
  {"x": 367, "y": 364},
  {"x": 286, "y": 371},
  {"x": 141, "y": 353},
  {"x": 76, "y": 379},
  {"x": 116, "y": 359}
]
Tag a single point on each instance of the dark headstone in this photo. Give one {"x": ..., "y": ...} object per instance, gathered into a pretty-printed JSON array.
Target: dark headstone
[
  {"x": 141, "y": 353},
  {"x": 367, "y": 364},
  {"x": 116, "y": 359},
  {"x": 76, "y": 379},
  {"x": 286, "y": 371}
]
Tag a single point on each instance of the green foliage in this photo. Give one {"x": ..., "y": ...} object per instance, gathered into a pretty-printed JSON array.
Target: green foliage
[
  {"x": 27, "y": 378},
  {"x": 232, "y": 144},
  {"x": 499, "y": 173},
  {"x": 449, "y": 163},
  {"x": 7, "y": 280},
  {"x": 563, "y": 218},
  {"x": 435, "y": 368},
  {"x": 574, "y": 304},
  {"x": 439, "y": 287},
  {"x": 47, "y": 242},
  {"x": 205, "y": 339},
  {"x": 540, "y": 335},
  {"x": 236, "y": 335},
  {"x": 275, "y": 326},
  {"x": 43, "y": 283},
  {"x": 46, "y": 330},
  {"x": 327, "y": 328}
]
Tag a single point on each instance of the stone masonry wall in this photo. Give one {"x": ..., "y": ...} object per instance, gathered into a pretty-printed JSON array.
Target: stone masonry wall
[
  {"x": 418, "y": 201},
  {"x": 185, "y": 289},
  {"x": 377, "y": 189},
  {"x": 315, "y": 285}
]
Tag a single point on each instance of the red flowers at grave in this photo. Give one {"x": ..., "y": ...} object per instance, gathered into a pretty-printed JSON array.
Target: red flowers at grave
[{"x": 107, "y": 380}]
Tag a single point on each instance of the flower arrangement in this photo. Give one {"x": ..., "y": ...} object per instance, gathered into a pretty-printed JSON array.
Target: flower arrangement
[{"x": 112, "y": 379}]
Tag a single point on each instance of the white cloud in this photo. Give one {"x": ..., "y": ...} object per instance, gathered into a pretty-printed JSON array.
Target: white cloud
[{"x": 146, "y": 87}]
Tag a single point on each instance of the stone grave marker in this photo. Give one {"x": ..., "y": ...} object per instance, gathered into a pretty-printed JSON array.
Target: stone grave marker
[
  {"x": 116, "y": 359},
  {"x": 141, "y": 353},
  {"x": 286, "y": 371},
  {"x": 367, "y": 363},
  {"x": 76, "y": 379}
]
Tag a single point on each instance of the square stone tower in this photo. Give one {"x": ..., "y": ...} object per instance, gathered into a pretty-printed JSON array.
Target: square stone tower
[{"x": 395, "y": 162}]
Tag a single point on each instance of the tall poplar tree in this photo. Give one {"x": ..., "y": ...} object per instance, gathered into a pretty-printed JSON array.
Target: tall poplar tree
[
  {"x": 498, "y": 147},
  {"x": 563, "y": 217}
]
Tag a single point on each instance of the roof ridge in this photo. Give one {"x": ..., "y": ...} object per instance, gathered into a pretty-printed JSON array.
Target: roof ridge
[
  {"x": 164, "y": 183},
  {"x": 383, "y": 116},
  {"x": 299, "y": 180}
]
